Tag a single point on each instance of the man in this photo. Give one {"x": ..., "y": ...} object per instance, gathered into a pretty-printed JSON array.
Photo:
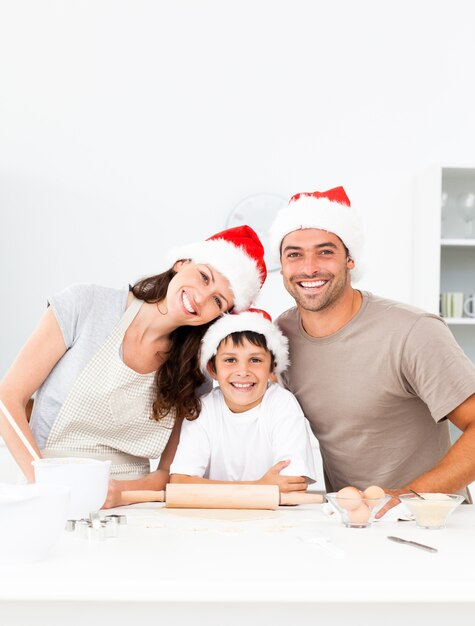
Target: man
[{"x": 375, "y": 378}]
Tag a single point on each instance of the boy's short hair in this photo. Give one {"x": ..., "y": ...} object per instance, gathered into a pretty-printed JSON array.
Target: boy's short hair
[{"x": 238, "y": 338}]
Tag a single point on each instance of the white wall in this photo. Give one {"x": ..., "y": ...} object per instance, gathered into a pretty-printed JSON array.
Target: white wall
[{"x": 129, "y": 125}]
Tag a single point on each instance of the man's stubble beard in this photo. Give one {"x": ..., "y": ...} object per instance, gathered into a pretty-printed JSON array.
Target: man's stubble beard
[{"x": 315, "y": 303}]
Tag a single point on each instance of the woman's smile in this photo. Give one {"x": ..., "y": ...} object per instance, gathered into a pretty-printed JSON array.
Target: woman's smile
[{"x": 187, "y": 303}]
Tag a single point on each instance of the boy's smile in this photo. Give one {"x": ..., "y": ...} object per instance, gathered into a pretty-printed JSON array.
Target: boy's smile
[{"x": 242, "y": 372}]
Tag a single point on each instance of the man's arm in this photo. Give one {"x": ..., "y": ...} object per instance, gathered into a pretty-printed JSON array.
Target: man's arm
[{"x": 456, "y": 469}]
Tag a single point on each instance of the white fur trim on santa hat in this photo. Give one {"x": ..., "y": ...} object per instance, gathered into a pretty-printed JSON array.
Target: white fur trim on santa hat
[
  {"x": 277, "y": 343},
  {"x": 231, "y": 261},
  {"x": 322, "y": 214}
]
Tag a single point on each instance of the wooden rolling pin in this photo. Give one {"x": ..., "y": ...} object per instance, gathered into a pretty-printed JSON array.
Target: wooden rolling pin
[{"x": 200, "y": 496}]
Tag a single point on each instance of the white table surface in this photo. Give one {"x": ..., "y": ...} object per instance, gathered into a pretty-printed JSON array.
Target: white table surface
[{"x": 207, "y": 571}]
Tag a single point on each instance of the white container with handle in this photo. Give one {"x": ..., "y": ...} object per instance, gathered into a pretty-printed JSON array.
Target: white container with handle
[{"x": 469, "y": 306}]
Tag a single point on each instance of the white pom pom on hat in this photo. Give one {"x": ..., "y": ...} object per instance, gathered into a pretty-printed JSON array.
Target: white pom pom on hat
[
  {"x": 238, "y": 254},
  {"x": 324, "y": 210},
  {"x": 255, "y": 320}
]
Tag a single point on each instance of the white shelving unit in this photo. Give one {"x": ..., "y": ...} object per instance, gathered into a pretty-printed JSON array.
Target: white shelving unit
[
  {"x": 444, "y": 258},
  {"x": 459, "y": 321},
  {"x": 457, "y": 243}
]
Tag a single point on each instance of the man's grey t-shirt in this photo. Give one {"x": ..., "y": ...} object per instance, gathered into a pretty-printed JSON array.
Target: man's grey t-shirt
[
  {"x": 377, "y": 391},
  {"x": 87, "y": 315}
]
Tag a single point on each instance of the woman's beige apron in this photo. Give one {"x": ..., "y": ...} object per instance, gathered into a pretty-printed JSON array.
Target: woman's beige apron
[{"x": 108, "y": 412}]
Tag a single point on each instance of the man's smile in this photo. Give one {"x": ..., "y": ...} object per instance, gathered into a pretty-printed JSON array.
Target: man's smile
[{"x": 311, "y": 284}]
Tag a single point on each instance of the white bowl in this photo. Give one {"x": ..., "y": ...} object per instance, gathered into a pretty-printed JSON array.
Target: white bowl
[
  {"x": 32, "y": 519},
  {"x": 87, "y": 479}
]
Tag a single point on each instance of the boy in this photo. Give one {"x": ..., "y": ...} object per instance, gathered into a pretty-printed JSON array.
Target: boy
[{"x": 250, "y": 429}]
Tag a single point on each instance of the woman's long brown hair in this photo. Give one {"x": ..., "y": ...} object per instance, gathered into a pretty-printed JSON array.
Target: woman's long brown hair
[{"x": 179, "y": 377}]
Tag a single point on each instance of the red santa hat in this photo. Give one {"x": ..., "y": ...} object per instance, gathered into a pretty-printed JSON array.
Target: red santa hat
[
  {"x": 325, "y": 210},
  {"x": 238, "y": 254},
  {"x": 256, "y": 320}
]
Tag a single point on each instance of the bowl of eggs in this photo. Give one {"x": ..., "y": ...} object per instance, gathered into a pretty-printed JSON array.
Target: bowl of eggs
[{"x": 358, "y": 508}]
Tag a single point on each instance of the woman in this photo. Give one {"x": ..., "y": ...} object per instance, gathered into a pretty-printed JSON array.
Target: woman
[{"x": 105, "y": 361}]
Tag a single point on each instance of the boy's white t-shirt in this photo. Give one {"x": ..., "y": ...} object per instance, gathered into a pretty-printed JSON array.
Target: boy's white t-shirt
[{"x": 222, "y": 445}]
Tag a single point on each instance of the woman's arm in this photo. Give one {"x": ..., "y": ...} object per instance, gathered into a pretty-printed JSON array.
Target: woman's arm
[
  {"x": 31, "y": 367},
  {"x": 155, "y": 481},
  {"x": 169, "y": 451}
]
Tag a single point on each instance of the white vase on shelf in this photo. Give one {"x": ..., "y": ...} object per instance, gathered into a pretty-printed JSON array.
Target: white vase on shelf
[{"x": 466, "y": 210}]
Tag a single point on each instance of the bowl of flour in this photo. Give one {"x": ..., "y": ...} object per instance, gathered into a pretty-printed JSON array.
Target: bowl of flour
[{"x": 433, "y": 509}]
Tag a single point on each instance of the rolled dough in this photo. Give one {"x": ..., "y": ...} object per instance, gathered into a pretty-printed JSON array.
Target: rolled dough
[{"x": 228, "y": 515}]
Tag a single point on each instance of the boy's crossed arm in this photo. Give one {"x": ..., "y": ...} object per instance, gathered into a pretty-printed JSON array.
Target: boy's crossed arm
[{"x": 273, "y": 476}]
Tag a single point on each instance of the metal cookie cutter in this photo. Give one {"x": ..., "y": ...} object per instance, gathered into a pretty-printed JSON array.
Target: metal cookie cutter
[
  {"x": 95, "y": 528},
  {"x": 120, "y": 519}
]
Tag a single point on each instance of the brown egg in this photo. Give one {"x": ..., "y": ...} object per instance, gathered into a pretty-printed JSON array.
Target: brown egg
[
  {"x": 349, "y": 498},
  {"x": 372, "y": 493},
  {"x": 359, "y": 515}
]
